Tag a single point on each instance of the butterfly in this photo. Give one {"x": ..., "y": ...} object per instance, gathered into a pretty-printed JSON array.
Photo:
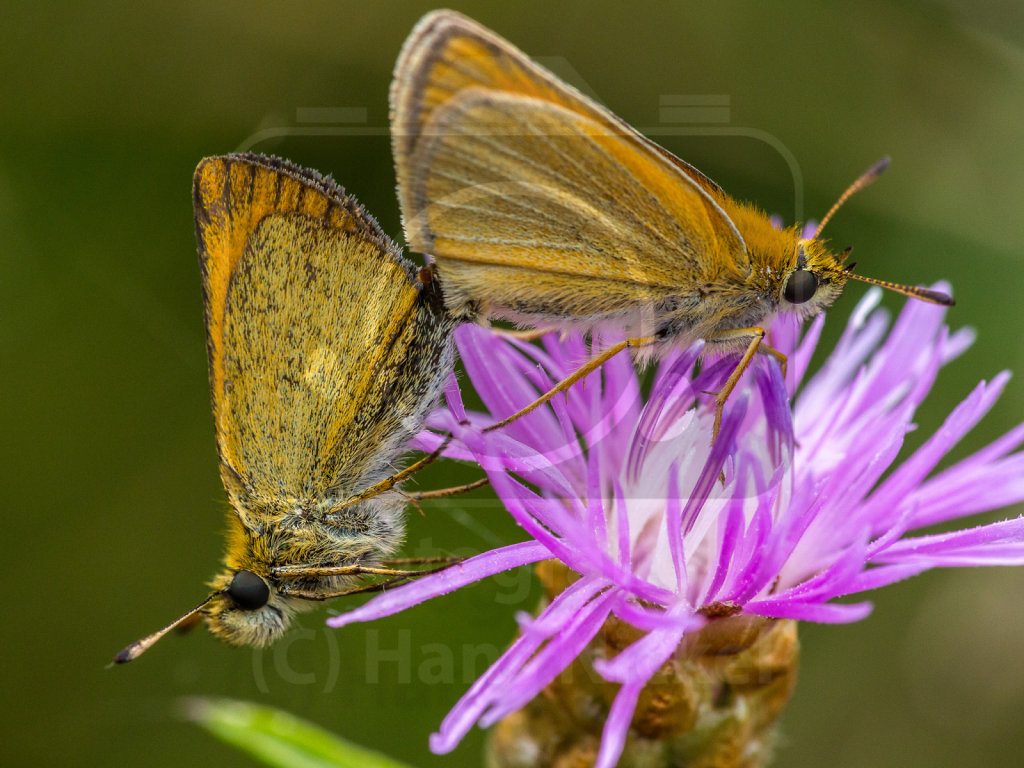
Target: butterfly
[
  {"x": 541, "y": 206},
  {"x": 326, "y": 350}
]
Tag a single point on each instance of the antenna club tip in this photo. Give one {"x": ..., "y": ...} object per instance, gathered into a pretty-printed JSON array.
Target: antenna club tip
[
  {"x": 124, "y": 656},
  {"x": 879, "y": 168},
  {"x": 936, "y": 297}
]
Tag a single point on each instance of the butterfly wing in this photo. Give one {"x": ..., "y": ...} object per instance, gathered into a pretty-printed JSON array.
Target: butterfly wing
[
  {"x": 532, "y": 197},
  {"x": 324, "y": 352}
]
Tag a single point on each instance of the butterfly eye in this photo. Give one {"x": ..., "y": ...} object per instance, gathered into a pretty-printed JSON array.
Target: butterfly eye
[
  {"x": 800, "y": 287},
  {"x": 248, "y": 591}
]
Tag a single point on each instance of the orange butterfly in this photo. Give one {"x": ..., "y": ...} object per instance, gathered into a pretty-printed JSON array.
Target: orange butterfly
[
  {"x": 326, "y": 350},
  {"x": 542, "y": 207}
]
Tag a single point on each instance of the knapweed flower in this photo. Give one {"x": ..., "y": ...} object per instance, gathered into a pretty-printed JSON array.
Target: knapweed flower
[{"x": 667, "y": 534}]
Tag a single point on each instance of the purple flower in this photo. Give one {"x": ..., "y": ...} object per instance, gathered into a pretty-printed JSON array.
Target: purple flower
[{"x": 628, "y": 493}]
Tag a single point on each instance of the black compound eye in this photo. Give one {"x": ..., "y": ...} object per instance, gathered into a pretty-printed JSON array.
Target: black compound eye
[
  {"x": 800, "y": 287},
  {"x": 248, "y": 591}
]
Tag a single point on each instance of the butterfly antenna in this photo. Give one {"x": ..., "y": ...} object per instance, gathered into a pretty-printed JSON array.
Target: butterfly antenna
[
  {"x": 925, "y": 294},
  {"x": 139, "y": 647},
  {"x": 862, "y": 181}
]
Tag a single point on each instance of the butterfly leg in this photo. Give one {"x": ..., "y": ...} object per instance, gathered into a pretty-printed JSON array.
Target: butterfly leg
[
  {"x": 528, "y": 334},
  {"x": 591, "y": 365},
  {"x": 755, "y": 336},
  {"x": 318, "y": 571},
  {"x": 390, "y": 482},
  {"x": 441, "y": 493}
]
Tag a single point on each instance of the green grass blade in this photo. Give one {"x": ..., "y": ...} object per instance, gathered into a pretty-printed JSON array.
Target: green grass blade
[{"x": 280, "y": 739}]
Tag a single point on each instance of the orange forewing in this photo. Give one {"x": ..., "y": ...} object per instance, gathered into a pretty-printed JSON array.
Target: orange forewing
[
  {"x": 448, "y": 56},
  {"x": 231, "y": 198}
]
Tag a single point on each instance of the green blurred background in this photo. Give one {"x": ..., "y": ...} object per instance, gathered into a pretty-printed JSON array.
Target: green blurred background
[{"x": 114, "y": 506}]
